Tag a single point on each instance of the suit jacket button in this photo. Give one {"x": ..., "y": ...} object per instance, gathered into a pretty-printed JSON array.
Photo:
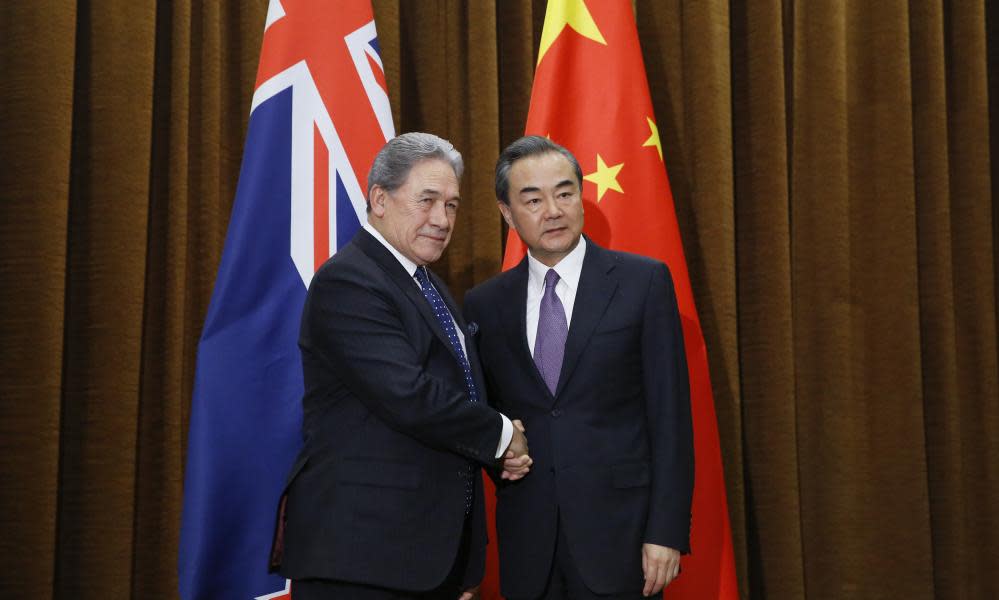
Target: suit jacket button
[{"x": 557, "y": 413}]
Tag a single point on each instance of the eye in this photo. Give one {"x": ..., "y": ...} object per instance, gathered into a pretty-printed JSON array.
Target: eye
[{"x": 452, "y": 206}]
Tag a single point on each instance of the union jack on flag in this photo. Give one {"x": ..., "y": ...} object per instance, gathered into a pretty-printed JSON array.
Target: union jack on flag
[{"x": 320, "y": 113}]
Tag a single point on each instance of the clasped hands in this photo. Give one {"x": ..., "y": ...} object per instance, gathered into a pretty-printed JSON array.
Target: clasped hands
[{"x": 516, "y": 461}]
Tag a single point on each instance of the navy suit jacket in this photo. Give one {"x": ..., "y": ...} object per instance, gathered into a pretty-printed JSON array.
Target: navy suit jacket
[
  {"x": 612, "y": 448},
  {"x": 377, "y": 495}
]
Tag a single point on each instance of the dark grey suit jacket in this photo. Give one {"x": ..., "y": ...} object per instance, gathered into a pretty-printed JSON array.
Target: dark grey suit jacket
[
  {"x": 612, "y": 448},
  {"x": 377, "y": 495}
]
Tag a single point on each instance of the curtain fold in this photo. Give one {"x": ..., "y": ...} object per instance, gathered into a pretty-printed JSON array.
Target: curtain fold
[
  {"x": 955, "y": 179},
  {"x": 37, "y": 58},
  {"x": 761, "y": 147},
  {"x": 105, "y": 280},
  {"x": 835, "y": 175}
]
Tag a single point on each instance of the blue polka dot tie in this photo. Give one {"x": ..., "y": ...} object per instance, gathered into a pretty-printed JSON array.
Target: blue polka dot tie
[{"x": 447, "y": 324}]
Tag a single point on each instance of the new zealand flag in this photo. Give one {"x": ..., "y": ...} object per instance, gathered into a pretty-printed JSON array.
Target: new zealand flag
[{"x": 320, "y": 113}]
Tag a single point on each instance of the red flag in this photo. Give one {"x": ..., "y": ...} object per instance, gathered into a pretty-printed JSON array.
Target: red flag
[{"x": 591, "y": 95}]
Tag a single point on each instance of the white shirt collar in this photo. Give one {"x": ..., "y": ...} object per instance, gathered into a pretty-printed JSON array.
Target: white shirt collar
[
  {"x": 569, "y": 268},
  {"x": 407, "y": 264}
]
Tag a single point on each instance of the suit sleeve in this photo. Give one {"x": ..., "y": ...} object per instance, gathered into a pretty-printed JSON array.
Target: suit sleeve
[
  {"x": 358, "y": 329},
  {"x": 667, "y": 389}
]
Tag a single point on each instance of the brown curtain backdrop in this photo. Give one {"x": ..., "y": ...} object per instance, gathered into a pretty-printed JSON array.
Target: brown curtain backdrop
[{"x": 835, "y": 169}]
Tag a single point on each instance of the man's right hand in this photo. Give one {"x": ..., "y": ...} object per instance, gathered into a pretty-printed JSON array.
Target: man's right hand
[{"x": 516, "y": 461}]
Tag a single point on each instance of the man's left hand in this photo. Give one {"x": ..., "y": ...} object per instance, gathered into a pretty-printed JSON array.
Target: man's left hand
[
  {"x": 470, "y": 594},
  {"x": 661, "y": 565}
]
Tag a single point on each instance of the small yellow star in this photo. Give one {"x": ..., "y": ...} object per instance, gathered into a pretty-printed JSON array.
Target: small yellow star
[
  {"x": 605, "y": 177},
  {"x": 654, "y": 138},
  {"x": 567, "y": 12}
]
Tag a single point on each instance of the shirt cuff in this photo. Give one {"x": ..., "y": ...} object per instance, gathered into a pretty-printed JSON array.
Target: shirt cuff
[{"x": 505, "y": 437}]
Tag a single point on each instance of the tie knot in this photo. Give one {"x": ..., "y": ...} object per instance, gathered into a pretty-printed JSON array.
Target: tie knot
[
  {"x": 551, "y": 279},
  {"x": 421, "y": 276}
]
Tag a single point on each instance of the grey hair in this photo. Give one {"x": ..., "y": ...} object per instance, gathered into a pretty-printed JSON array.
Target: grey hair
[
  {"x": 530, "y": 145},
  {"x": 394, "y": 161}
]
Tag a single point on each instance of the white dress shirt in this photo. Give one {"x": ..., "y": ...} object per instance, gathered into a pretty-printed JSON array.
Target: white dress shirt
[
  {"x": 569, "y": 270},
  {"x": 411, "y": 267}
]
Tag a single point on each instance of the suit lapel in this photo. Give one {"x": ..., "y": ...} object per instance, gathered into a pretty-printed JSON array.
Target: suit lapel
[
  {"x": 470, "y": 350},
  {"x": 596, "y": 287},
  {"x": 381, "y": 255}
]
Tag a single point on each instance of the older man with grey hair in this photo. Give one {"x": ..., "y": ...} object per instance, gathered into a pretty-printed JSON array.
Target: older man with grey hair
[{"x": 385, "y": 500}]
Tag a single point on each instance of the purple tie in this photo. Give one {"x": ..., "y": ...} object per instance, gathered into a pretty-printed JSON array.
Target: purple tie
[{"x": 549, "y": 345}]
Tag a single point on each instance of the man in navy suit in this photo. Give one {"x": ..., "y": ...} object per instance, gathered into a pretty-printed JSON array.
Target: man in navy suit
[
  {"x": 584, "y": 345},
  {"x": 385, "y": 500}
]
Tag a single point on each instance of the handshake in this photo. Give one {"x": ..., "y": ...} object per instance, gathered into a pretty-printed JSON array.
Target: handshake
[{"x": 516, "y": 461}]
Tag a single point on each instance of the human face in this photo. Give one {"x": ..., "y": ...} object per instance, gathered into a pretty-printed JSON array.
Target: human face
[
  {"x": 417, "y": 218},
  {"x": 546, "y": 207}
]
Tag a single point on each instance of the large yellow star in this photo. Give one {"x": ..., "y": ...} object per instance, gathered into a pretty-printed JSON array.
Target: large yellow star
[
  {"x": 567, "y": 12},
  {"x": 605, "y": 177},
  {"x": 654, "y": 138}
]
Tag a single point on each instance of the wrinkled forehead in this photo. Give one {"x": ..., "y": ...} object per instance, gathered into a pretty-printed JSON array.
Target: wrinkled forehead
[{"x": 430, "y": 178}]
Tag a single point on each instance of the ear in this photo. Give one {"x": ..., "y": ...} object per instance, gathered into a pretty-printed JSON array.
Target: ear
[
  {"x": 379, "y": 197},
  {"x": 507, "y": 215}
]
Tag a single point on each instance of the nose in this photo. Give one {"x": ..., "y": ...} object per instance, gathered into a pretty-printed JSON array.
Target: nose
[
  {"x": 552, "y": 208},
  {"x": 438, "y": 215}
]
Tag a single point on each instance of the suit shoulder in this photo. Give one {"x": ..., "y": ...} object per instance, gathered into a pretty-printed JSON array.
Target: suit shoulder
[
  {"x": 349, "y": 264},
  {"x": 636, "y": 261},
  {"x": 639, "y": 268},
  {"x": 489, "y": 288}
]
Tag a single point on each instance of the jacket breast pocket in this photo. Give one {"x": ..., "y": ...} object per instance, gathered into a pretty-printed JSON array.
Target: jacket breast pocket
[
  {"x": 617, "y": 335},
  {"x": 378, "y": 473},
  {"x": 630, "y": 475}
]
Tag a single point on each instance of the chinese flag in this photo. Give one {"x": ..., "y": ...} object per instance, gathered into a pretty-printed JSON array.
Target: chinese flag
[{"x": 591, "y": 95}]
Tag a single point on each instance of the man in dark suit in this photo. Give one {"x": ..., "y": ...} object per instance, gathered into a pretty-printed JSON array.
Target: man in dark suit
[
  {"x": 385, "y": 500},
  {"x": 584, "y": 345}
]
